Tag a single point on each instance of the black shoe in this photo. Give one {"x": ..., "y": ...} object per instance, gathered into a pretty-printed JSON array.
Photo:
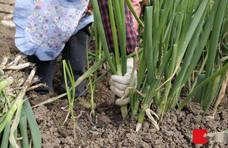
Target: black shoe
[
  {"x": 45, "y": 72},
  {"x": 43, "y": 90}
]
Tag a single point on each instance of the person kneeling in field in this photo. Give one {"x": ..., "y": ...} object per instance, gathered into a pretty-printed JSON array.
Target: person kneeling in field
[{"x": 45, "y": 29}]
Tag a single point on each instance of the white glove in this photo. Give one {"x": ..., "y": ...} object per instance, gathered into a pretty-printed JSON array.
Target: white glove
[{"x": 119, "y": 84}]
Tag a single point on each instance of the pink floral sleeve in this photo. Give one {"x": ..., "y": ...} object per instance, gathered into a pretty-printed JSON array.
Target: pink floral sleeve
[{"x": 138, "y": 9}]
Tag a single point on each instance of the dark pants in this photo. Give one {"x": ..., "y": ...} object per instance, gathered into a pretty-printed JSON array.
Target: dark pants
[{"x": 75, "y": 52}]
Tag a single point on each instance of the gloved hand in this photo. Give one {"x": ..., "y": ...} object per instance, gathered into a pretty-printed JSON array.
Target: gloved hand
[{"x": 119, "y": 84}]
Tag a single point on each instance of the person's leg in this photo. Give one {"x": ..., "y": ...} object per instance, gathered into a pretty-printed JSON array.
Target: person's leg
[
  {"x": 75, "y": 52},
  {"x": 45, "y": 72}
]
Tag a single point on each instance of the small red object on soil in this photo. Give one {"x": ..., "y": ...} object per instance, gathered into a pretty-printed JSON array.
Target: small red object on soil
[{"x": 199, "y": 136}]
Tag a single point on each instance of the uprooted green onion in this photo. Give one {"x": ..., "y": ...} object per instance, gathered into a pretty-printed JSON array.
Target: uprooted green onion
[{"x": 116, "y": 16}]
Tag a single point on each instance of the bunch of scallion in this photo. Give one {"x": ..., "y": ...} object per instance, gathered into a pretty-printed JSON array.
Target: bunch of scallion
[
  {"x": 116, "y": 61},
  {"x": 181, "y": 43},
  {"x": 18, "y": 127},
  {"x": 214, "y": 58},
  {"x": 180, "y": 38}
]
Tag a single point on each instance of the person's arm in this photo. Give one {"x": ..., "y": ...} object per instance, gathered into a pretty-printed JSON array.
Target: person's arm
[
  {"x": 137, "y": 7},
  {"x": 131, "y": 34},
  {"x": 119, "y": 83}
]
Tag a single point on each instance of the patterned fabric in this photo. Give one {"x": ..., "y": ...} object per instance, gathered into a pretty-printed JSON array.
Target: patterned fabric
[
  {"x": 131, "y": 36},
  {"x": 43, "y": 28},
  {"x": 137, "y": 7}
]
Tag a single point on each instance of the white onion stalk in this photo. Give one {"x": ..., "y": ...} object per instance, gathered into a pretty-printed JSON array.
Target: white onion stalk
[{"x": 150, "y": 114}]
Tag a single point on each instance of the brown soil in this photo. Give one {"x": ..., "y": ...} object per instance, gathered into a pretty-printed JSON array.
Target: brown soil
[
  {"x": 6, "y": 41},
  {"x": 108, "y": 129}
]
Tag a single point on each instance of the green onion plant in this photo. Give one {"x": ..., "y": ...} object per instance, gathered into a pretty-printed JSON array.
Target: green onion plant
[
  {"x": 16, "y": 117},
  {"x": 117, "y": 64},
  {"x": 69, "y": 82},
  {"x": 180, "y": 37}
]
